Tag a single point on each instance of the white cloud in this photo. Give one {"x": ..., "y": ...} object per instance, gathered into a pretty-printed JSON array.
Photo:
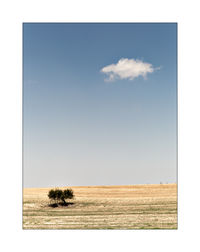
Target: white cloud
[{"x": 128, "y": 69}]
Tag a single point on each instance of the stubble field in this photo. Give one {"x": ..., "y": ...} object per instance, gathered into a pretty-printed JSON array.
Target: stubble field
[{"x": 104, "y": 207}]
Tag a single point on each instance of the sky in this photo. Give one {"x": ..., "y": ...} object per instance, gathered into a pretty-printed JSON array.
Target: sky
[{"x": 99, "y": 104}]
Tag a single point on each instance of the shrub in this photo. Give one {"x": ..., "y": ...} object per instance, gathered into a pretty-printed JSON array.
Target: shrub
[
  {"x": 68, "y": 194},
  {"x": 59, "y": 195},
  {"x": 52, "y": 194}
]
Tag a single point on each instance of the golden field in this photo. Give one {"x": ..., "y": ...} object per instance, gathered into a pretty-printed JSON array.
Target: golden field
[{"x": 104, "y": 207}]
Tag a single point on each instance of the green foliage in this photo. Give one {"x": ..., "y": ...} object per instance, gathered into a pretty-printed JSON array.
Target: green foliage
[
  {"x": 52, "y": 194},
  {"x": 68, "y": 194},
  {"x": 59, "y": 195}
]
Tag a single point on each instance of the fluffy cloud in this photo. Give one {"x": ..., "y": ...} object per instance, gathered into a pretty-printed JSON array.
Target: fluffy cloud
[{"x": 128, "y": 69}]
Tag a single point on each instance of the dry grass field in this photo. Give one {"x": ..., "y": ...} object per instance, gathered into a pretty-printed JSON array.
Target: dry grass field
[{"x": 104, "y": 207}]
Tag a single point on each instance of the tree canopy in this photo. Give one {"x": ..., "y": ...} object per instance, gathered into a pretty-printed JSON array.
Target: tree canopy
[{"x": 58, "y": 195}]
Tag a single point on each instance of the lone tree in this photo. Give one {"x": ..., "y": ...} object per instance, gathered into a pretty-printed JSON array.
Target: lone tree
[{"x": 59, "y": 195}]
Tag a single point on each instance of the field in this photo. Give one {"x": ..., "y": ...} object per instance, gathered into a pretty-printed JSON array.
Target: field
[{"x": 104, "y": 207}]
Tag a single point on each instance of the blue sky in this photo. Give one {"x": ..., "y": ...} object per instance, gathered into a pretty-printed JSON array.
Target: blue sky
[{"x": 82, "y": 128}]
